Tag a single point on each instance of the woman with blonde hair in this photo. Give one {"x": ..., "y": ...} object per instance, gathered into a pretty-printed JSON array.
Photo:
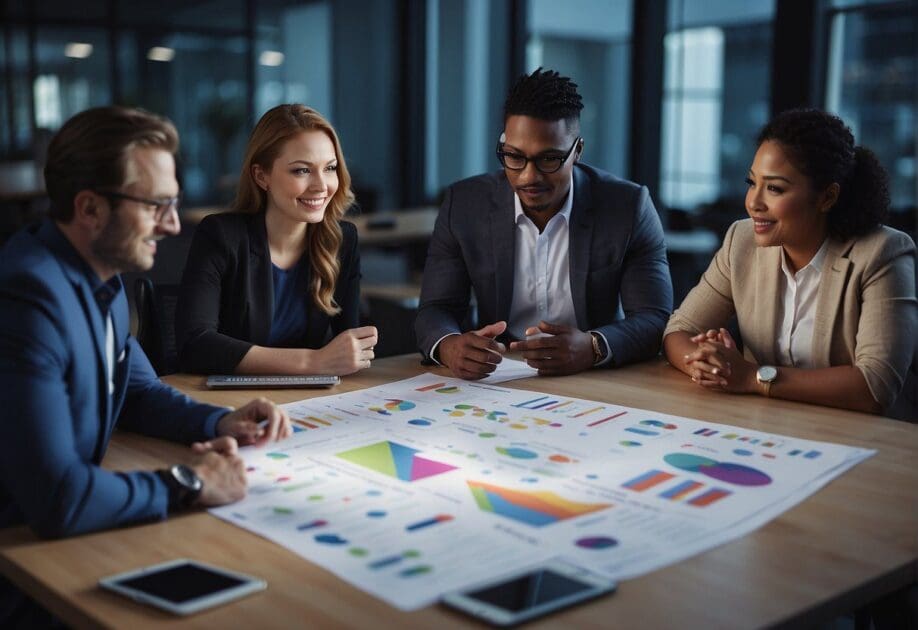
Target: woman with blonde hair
[{"x": 273, "y": 286}]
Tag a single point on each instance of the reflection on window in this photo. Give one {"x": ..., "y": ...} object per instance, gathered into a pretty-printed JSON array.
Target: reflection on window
[
  {"x": 294, "y": 56},
  {"x": 716, "y": 91},
  {"x": 589, "y": 41},
  {"x": 465, "y": 88},
  {"x": 47, "y": 102},
  {"x": 693, "y": 80},
  {"x": 872, "y": 85}
]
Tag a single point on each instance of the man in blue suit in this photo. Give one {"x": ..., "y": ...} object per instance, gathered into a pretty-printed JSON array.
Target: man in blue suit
[
  {"x": 69, "y": 368},
  {"x": 566, "y": 261}
]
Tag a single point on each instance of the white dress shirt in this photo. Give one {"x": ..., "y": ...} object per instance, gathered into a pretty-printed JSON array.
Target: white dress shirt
[
  {"x": 795, "y": 340},
  {"x": 541, "y": 275},
  {"x": 542, "y": 271}
]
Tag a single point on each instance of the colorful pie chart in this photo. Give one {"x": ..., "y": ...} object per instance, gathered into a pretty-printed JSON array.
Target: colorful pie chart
[{"x": 727, "y": 472}]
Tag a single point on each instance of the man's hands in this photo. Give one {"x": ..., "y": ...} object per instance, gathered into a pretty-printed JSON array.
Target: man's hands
[
  {"x": 560, "y": 350},
  {"x": 220, "y": 468},
  {"x": 717, "y": 364},
  {"x": 217, "y": 461},
  {"x": 257, "y": 422},
  {"x": 475, "y": 354}
]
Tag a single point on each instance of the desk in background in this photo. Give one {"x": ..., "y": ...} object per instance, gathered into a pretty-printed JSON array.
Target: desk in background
[{"x": 852, "y": 542}]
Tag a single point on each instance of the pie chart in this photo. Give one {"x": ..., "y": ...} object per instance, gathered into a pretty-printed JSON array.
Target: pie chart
[{"x": 727, "y": 472}]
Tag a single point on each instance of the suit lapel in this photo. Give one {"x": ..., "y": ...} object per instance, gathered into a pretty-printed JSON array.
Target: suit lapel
[
  {"x": 261, "y": 283},
  {"x": 768, "y": 301},
  {"x": 580, "y": 231},
  {"x": 503, "y": 238},
  {"x": 832, "y": 282}
]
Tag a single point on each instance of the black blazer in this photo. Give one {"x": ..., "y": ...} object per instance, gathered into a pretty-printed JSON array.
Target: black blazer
[
  {"x": 226, "y": 301},
  {"x": 620, "y": 283}
]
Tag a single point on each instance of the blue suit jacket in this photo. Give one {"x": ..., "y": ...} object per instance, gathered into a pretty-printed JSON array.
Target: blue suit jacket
[
  {"x": 57, "y": 415},
  {"x": 620, "y": 282}
]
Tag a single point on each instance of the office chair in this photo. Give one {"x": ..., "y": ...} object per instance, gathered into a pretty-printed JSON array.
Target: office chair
[{"x": 155, "y": 307}]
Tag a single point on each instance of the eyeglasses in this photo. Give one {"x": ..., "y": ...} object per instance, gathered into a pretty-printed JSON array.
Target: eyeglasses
[
  {"x": 544, "y": 163},
  {"x": 160, "y": 207}
]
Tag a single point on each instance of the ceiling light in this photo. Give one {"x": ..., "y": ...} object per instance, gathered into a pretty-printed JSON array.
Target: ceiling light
[
  {"x": 271, "y": 58},
  {"x": 160, "y": 53},
  {"x": 78, "y": 50}
]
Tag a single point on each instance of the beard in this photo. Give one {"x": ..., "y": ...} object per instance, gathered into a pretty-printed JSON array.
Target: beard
[{"x": 121, "y": 247}]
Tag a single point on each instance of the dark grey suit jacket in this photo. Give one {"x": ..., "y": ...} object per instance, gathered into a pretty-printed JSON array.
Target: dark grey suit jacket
[
  {"x": 226, "y": 303},
  {"x": 620, "y": 280}
]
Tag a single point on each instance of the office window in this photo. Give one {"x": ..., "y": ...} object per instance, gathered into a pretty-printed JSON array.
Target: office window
[
  {"x": 716, "y": 91},
  {"x": 466, "y": 82},
  {"x": 293, "y": 55},
  {"x": 589, "y": 41},
  {"x": 199, "y": 82},
  {"x": 871, "y": 83},
  {"x": 71, "y": 74}
]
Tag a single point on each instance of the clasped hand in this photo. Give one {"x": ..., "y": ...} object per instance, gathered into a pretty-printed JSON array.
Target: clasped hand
[
  {"x": 559, "y": 350},
  {"x": 717, "y": 364}
]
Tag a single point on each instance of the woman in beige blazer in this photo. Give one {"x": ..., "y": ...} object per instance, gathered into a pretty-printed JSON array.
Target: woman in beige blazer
[{"x": 823, "y": 293}]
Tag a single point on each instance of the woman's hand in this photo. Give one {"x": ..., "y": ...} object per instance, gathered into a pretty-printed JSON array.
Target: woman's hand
[
  {"x": 716, "y": 363},
  {"x": 350, "y": 351}
]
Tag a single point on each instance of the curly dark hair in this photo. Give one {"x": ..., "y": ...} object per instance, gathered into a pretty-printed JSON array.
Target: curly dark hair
[
  {"x": 545, "y": 95},
  {"x": 822, "y": 147}
]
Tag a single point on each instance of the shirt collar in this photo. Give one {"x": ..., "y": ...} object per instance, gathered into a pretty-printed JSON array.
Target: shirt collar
[
  {"x": 60, "y": 246},
  {"x": 814, "y": 266},
  {"x": 564, "y": 212}
]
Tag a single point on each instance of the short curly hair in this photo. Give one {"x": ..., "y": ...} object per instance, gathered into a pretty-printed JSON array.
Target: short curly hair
[
  {"x": 822, "y": 147},
  {"x": 545, "y": 95}
]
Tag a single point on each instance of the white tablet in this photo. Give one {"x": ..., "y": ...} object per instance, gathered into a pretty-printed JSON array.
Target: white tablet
[{"x": 183, "y": 586}]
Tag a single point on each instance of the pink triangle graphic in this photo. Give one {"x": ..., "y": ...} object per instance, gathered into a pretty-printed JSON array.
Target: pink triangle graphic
[{"x": 421, "y": 468}]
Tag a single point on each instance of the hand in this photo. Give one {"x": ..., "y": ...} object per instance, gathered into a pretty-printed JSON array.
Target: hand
[
  {"x": 220, "y": 469},
  {"x": 564, "y": 349},
  {"x": 475, "y": 354},
  {"x": 718, "y": 364},
  {"x": 257, "y": 422},
  {"x": 350, "y": 351}
]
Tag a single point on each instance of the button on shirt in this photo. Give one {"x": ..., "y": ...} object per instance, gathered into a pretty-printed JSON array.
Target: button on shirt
[
  {"x": 542, "y": 277},
  {"x": 795, "y": 341}
]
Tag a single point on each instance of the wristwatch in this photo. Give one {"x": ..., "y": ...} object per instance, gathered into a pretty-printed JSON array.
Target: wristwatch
[
  {"x": 599, "y": 348},
  {"x": 766, "y": 375},
  {"x": 183, "y": 483}
]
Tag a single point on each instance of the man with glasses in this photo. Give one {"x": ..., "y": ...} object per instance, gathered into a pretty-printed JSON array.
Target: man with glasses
[
  {"x": 566, "y": 262},
  {"x": 69, "y": 369}
]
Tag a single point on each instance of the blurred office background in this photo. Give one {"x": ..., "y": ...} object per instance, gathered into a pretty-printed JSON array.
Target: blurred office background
[{"x": 674, "y": 92}]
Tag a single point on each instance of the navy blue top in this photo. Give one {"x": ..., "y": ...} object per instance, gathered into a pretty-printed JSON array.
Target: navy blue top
[{"x": 291, "y": 306}]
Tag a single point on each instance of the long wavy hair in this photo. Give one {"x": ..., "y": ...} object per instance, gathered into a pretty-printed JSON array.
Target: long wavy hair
[{"x": 323, "y": 240}]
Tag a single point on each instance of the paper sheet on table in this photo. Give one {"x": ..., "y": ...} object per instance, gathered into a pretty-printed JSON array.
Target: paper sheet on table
[
  {"x": 420, "y": 487},
  {"x": 510, "y": 370}
]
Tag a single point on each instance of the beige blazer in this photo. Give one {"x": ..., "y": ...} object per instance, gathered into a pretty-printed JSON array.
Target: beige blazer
[{"x": 866, "y": 311}]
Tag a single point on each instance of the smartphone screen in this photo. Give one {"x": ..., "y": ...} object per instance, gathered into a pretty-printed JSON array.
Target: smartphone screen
[
  {"x": 530, "y": 590},
  {"x": 181, "y": 583}
]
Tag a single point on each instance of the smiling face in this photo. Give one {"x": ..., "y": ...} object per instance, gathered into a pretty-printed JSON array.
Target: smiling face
[
  {"x": 540, "y": 193},
  {"x": 302, "y": 179},
  {"x": 785, "y": 208},
  {"x": 128, "y": 240}
]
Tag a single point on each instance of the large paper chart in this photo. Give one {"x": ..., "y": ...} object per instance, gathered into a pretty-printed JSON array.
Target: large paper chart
[{"x": 416, "y": 488}]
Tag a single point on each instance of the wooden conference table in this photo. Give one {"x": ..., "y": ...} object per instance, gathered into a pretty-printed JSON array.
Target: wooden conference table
[{"x": 851, "y": 543}]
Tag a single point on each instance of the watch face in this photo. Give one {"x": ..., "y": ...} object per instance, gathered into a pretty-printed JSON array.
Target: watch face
[
  {"x": 186, "y": 476},
  {"x": 767, "y": 373}
]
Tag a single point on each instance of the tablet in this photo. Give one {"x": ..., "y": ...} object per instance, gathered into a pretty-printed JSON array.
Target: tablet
[
  {"x": 533, "y": 594},
  {"x": 183, "y": 586}
]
